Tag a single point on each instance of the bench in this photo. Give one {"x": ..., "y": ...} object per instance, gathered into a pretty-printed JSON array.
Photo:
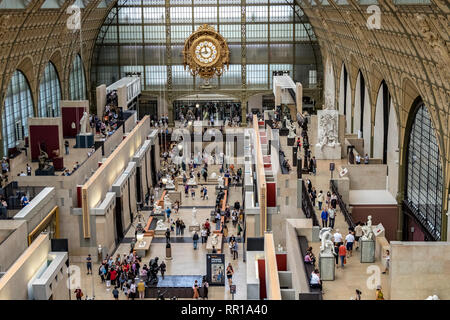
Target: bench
[
  {"x": 147, "y": 231},
  {"x": 309, "y": 268}
]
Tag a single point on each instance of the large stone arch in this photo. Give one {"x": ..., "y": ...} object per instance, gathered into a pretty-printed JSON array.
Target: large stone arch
[
  {"x": 345, "y": 97},
  {"x": 329, "y": 84},
  {"x": 362, "y": 117},
  {"x": 425, "y": 172}
]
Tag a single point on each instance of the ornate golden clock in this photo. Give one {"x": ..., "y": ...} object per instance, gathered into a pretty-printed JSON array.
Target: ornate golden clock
[{"x": 206, "y": 53}]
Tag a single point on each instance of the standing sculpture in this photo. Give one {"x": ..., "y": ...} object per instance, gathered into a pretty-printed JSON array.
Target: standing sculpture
[
  {"x": 367, "y": 230},
  {"x": 194, "y": 217},
  {"x": 83, "y": 123},
  {"x": 327, "y": 246},
  {"x": 291, "y": 128},
  {"x": 220, "y": 180}
]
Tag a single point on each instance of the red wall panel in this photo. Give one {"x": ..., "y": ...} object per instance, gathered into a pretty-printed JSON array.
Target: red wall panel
[
  {"x": 282, "y": 262},
  {"x": 69, "y": 115},
  {"x": 271, "y": 194},
  {"x": 45, "y": 135},
  {"x": 262, "y": 279},
  {"x": 386, "y": 214}
]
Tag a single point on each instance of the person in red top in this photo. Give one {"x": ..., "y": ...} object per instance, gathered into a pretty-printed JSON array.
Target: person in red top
[
  {"x": 342, "y": 254},
  {"x": 208, "y": 226},
  {"x": 113, "y": 275}
]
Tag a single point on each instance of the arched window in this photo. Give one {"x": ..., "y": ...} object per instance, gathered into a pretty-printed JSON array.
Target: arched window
[
  {"x": 49, "y": 93},
  {"x": 424, "y": 185},
  {"x": 77, "y": 81},
  {"x": 18, "y": 107}
]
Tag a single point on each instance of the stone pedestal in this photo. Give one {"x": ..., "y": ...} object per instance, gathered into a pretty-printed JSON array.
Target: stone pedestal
[
  {"x": 290, "y": 141},
  {"x": 367, "y": 251},
  {"x": 168, "y": 252},
  {"x": 283, "y": 132},
  {"x": 85, "y": 140},
  {"x": 193, "y": 228},
  {"x": 327, "y": 267},
  {"x": 327, "y": 153},
  {"x": 47, "y": 171}
]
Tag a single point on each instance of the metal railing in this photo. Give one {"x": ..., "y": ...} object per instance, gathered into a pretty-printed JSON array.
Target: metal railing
[
  {"x": 308, "y": 207},
  {"x": 342, "y": 205}
]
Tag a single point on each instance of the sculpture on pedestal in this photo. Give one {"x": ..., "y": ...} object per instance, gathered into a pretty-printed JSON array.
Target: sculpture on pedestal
[
  {"x": 158, "y": 209},
  {"x": 194, "y": 217},
  {"x": 83, "y": 123},
  {"x": 327, "y": 246},
  {"x": 192, "y": 180},
  {"x": 291, "y": 128},
  {"x": 328, "y": 129},
  {"x": 43, "y": 159},
  {"x": 167, "y": 202},
  {"x": 153, "y": 270},
  {"x": 367, "y": 230},
  {"x": 220, "y": 180},
  {"x": 214, "y": 240},
  {"x": 169, "y": 184},
  {"x": 160, "y": 225}
]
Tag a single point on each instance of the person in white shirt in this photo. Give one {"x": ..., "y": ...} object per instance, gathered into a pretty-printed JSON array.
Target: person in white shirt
[
  {"x": 320, "y": 200},
  {"x": 358, "y": 159},
  {"x": 315, "y": 281},
  {"x": 349, "y": 239},
  {"x": 358, "y": 234},
  {"x": 388, "y": 260},
  {"x": 331, "y": 217},
  {"x": 337, "y": 237}
]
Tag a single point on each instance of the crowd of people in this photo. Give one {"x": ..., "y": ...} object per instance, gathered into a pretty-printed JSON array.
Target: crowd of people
[{"x": 124, "y": 274}]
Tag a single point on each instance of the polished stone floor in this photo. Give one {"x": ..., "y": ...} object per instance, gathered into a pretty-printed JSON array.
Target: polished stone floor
[
  {"x": 355, "y": 275},
  {"x": 186, "y": 260}
]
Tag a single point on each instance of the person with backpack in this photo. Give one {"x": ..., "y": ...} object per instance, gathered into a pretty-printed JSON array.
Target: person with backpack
[{"x": 195, "y": 240}]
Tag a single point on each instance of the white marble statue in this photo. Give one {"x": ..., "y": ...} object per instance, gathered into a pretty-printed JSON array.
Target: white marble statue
[
  {"x": 291, "y": 127},
  {"x": 167, "y": 202},
  {"x": 158, "y": 209},
  {"x": 220, "y": 181},
  {"x": 83, "y": 123},
  {"x": 367, "y": 230},
  {"x": 160, "y": 225},
  {"x": 192, "y": 180},
  {"x": 343, "y": 171},
  {"x": 194, "y": 217},
  {"x": 169, "y": 184},
  {"x": 328, "y": 100},
  {"x": 214, "y": 240},
  {"x": 327, "y": 246},
  {"x": 328, "y": 128}
]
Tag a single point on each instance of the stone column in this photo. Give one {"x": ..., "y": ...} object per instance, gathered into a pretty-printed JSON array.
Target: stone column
[
  {"x": 277, "y": 96},
  {"x": 101, "y": 100},
  {"x": 299, "y": 97}
]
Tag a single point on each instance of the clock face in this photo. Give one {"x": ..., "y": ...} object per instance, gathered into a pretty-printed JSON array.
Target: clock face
[{"x": 206, "y": 51}]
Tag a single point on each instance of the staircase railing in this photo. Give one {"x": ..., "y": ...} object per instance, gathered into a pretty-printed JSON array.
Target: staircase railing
[
  {"x": 308, "y": 207},
  {"x": 342, "y": 205}
]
